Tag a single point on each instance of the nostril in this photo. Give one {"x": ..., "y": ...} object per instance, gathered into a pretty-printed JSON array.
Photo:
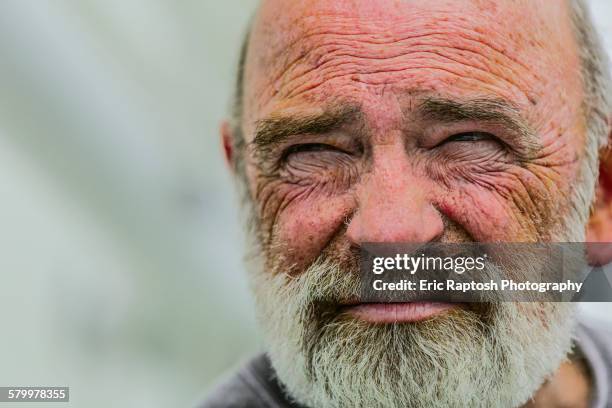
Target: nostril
[{"x": 410, "y": 223}]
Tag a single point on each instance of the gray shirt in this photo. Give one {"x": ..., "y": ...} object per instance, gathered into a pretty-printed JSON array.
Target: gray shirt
[{"x": 255, "y": 385}]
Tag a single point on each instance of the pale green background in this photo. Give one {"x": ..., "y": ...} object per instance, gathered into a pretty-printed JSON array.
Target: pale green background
[{"x": 120, "y": 261}]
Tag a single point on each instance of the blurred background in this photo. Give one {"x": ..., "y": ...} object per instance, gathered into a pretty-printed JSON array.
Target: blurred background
[{"x": 121, "y": 246}]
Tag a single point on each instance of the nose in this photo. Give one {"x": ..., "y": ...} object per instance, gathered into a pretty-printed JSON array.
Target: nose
[{"x": 393, "y": 205}]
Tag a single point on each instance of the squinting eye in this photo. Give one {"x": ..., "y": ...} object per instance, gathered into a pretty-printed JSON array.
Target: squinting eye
[
  {"x": 311, "y": 147},
  {"x": 469, "y": 137}
]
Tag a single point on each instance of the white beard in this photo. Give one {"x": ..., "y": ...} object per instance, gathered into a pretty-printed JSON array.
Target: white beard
[{"x": 454, "y": 360}]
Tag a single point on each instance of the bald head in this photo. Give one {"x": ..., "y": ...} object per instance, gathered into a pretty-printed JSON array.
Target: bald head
[
  {"x": 594, "y": 70},
  {"x": 313, "y": 46}
]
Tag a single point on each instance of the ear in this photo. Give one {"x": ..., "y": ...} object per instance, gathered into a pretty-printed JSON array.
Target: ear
[
  {"x": 599, "y": 229},
  {"x": 227, "y": 141}
]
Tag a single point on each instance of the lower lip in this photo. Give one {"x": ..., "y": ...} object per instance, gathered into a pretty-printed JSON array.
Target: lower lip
[{"x": 398, "y": 312}]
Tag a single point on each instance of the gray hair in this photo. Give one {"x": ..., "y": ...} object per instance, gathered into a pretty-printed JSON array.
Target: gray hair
[
  {"x": 596, "y": 106},
  {"x": 595, "y": 72}
]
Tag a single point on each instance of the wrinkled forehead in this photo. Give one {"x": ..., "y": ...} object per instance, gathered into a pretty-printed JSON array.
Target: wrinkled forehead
[{"x": 311, "y": 51}]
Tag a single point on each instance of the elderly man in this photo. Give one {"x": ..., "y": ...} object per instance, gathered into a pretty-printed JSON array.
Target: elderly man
[{"x": 410, "y": 121}]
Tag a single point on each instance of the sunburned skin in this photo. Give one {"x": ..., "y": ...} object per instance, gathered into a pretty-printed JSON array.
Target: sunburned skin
[
  {"x": 413, "y": 121},
  {"x": 402, "y": 121}
]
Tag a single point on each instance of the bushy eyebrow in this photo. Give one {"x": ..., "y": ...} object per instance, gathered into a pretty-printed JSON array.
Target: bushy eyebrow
[
  {"x": 492, "y": 110},
  {"x": 274, "y": 130}
]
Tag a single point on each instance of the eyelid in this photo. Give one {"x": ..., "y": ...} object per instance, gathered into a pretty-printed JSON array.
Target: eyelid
[
  {"x": 471, "y": 136},
  {"x": 311, "y": 147}
]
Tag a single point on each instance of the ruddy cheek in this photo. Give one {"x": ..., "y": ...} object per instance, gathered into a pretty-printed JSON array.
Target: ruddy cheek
[
  {"x": 305, "y": 227},
  {"x": 483, "y": 214},
  {"x": 307, "y": 203}
]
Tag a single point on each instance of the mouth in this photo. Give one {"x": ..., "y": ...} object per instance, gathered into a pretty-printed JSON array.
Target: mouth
[{"x": 407, "y": 312}]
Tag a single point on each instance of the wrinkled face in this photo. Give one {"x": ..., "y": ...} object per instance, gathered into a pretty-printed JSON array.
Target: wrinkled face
[{"x": 404, "y": 121}]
